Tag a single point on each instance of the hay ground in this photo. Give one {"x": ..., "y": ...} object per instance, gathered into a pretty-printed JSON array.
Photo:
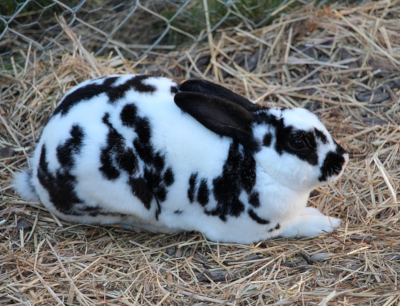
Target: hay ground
[{"x": 342, "y": 63}]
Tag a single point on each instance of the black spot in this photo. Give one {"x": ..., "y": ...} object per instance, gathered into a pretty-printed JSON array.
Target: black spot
[
  {"x": 154, "y": 181},
  {"x": 178, "y": 212},
  {"x": 169, "y": 177},
  {"x": 116, "y": 156},
  {"x": 238, "y": 174},
  {"x": 114, "y": 93},
  {"x": 158, "y": 210},
  {"x": 332, "y": 165},
  {"x": 155, "y": 175},
  {"x": 278, "y": 226},
  {"x": 140, "y": 189},
  {"x": 203, "y": 193},
  {"x": 83, "y": 94},
  {"x": 127, "y": 161},
  {"x": 142, "y": 143},
  {"x": 61, "y": 188},
  {"x": 254, "y": 199},
  {"x": 128, "y": 115},
  {"x": 247, "y": 172},
  {"x": 192, "y": 186},
  {"x": 321, "y": 136},
  {"x": 161, "y": 193},
  {"x": 174, "y": 89},
  {"x": 72, "y": 146},
  {"x": 137, "y": 83},
  {"x": 256, "y": 218},
  {"x": 267, "y": 140},
  {"x": 158, "y": 162}
]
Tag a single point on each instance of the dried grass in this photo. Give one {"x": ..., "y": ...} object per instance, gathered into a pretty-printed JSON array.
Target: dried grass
[{"x": 342, "y": 63}]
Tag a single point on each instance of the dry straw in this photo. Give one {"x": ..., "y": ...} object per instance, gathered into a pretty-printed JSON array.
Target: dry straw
[{"x": 342, "y": 63}]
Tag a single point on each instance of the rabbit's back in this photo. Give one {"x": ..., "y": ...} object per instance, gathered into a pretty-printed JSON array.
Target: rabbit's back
[{"x": 119, "y": 146}]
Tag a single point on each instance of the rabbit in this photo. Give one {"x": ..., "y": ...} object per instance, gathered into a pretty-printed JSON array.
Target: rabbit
[{"x": 143, "y": 151}]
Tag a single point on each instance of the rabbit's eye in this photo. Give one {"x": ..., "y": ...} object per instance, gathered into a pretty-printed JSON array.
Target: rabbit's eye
[{"x": 297, "y": 143}]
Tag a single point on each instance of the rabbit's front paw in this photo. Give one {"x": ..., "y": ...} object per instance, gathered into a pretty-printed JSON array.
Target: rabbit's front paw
[{"x": 310, "y": 223}]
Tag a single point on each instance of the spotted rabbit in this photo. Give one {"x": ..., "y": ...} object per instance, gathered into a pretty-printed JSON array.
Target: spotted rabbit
[{"x": 143, "y": 151}]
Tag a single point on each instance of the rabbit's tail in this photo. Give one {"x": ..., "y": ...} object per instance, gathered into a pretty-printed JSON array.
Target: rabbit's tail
[{"x": 22, "y": 184}]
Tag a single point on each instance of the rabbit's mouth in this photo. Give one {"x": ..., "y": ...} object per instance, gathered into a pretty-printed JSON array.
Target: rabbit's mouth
[{"x": 334, "y": 165}]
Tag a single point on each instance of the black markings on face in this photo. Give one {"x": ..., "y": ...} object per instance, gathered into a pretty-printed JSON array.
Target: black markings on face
[
  {"x": 192, "y": 186},
  {"x": 286, "y": 134},
  {"x": 256, "y": 218},
  {"x": 72, "y": 146},
  {"x": 114, "y": 93},
  {"x": 238, "y": 174},
  {"x": 178, "y": 212},
  {"x": 333, "y": 164},
  {"x": 321, "y": 136},
  {"x": 203, "y": 193}
]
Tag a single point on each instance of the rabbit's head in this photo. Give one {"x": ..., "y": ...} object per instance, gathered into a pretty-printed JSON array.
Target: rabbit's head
[
  {"x": 296, "y": 149},
  {"x": 291, "y": 145}
]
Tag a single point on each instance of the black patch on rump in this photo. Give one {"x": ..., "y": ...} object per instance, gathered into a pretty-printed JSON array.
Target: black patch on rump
[
  {"x": 60, "y": 184},
  {"x": 238, "y": 174},
  {"x": 256, "y": 218},
  {"x": 72, "y": 146},
  {"x": 332, "y": 165}
]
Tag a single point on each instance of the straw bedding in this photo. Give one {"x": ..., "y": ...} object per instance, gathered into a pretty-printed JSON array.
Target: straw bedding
[{"x": 340, "y": 62}]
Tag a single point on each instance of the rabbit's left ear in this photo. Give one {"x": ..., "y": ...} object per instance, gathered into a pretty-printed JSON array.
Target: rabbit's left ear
[
  {"x": 221, "y": 116},
  {"x": 212, "y": 89}
]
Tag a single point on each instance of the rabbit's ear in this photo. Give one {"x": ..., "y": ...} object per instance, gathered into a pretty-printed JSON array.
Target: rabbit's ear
[
  {"x": 219, "y": 115},
  {"x": 208, "y": 88}
]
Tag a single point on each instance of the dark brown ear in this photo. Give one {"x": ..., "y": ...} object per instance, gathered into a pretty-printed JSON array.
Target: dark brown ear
[
  {"x": 208, "y": 88},
  {"x": 219, "y": 115}
]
